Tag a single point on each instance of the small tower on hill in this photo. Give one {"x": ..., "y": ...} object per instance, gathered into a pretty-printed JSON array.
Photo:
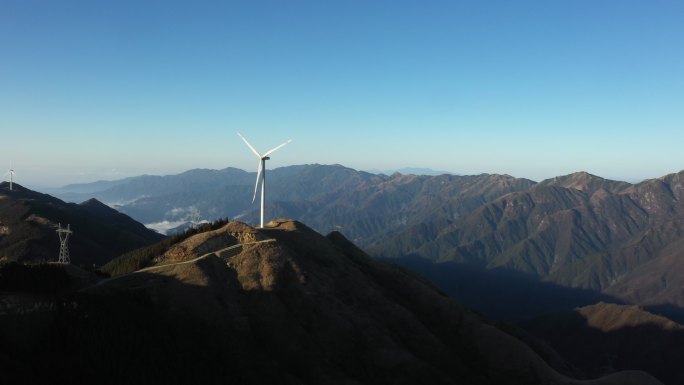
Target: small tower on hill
[{"x": 63, "y": 243}]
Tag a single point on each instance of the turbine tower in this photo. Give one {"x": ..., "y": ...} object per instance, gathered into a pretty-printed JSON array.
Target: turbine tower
[
  {"x": 63, "y": 243},
  {"x": 11, "y": 174},
  {"x": 261, "y": 173}
]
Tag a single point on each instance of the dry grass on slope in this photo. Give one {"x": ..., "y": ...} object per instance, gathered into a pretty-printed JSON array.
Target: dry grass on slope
[
  {"x": 608, "y": 317},
  {"x": 318, "y": 310}
]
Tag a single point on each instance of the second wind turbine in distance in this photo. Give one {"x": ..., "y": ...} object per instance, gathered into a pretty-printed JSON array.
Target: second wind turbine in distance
[
  {"x": 261, "y": 173},
  {"x": 11, "y": 174}
]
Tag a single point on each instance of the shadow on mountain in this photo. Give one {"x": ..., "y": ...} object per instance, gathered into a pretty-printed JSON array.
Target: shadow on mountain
[
  {"x": 132, "y": 335},
  {"x": 288, "y": 306},
  {"x": 153, "y": 329},
  {"x": 597, "y": 344},
  {"x": 501, "y": 294}
]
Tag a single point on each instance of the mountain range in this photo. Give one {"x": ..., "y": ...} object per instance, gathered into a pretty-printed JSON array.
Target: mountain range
[
  {"x": 580, "y": 231},
  {"x": 327, "y": 197},
  {"x": 28, "y": 221},
  {"x": 279, "y": 305},
  {"x": 577, "y": 231},
  {"x": 499, "y": 291}
]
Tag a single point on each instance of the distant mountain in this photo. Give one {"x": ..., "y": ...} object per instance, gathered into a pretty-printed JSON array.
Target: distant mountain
[
  {"x": 364, "y": 205},
  {"x": 280, "y": 305},
  {"x": 28, "y": 221},
  {"x": 618, "y": 239},
  {"x": 579, "y": 231},
  {"x": 87, "y": 188},
  {"x": 586, "y": 182},
  {"x": 411, "y": 171},
  {"x": 381, "y": 206},
  {"x": 121, "y": 192}
]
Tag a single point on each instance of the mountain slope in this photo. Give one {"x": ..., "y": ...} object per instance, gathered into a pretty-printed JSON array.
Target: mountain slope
[
  {"x": 606, "y": 336},
  {"x": 281, "y": 305},
  {"x": 578, "y": 231},
  {"x": 365, "y": 206},
  {"x": 378, "y": 209},
  {"x": 586, "y": 182},
  {"x": 28, "y": 221}
]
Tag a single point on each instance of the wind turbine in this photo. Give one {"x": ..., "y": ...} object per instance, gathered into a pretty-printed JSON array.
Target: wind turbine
[
  {"x": 261, "y": 173},
  {"x": 11, "y": 175}
]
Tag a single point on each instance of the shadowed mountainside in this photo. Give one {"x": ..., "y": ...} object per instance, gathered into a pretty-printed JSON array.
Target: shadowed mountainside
[
  {"x": 501, "y": 294},
  {"x": 281, "y": 305},
  {"x": 577, "y": 231},
  {"x": 606, "y": 337},
  {"x": 28, "y": 221}
]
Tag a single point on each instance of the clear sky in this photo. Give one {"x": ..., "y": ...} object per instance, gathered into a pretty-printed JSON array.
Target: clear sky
[{"x": 106, "y": 89}]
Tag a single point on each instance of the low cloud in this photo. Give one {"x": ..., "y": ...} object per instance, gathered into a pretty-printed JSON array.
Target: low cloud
[
  {"x": 164, "y": 226},
  {"x": 186, "y": 214},
  {"x": 118, "y": 204}
]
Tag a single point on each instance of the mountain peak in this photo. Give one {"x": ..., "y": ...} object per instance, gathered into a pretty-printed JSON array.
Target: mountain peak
[
  {"x": 93, "y": 203},
  {"x": 5, "y": 186},
  {"x": 299, "y": 305},
  {"x": 586, "y": 182},
  {"x": 18, "y": 190}
]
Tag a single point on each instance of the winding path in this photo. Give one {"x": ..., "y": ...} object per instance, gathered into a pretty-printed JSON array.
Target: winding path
[{"x": 218, "y": 253}]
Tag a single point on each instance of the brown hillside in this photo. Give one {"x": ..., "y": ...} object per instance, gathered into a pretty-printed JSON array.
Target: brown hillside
[
  {"x": 610, "y": 317},
  {"x": 606, "y": 337},
  {"x": 301, "y": 308}
]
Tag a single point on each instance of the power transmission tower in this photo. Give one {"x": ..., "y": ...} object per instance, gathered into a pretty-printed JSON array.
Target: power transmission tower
[{"x": 63, "y": 243}]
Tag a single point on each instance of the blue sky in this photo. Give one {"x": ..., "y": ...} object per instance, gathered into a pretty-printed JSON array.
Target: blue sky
[{"x": 106, "y": 89}]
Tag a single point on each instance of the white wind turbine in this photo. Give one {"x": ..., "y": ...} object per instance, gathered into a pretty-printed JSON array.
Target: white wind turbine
[
  {"x": 11, "y": 174},
  {"x": 261, "y": 173}
]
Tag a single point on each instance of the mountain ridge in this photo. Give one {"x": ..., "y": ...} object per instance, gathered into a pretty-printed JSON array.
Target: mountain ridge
[
  {"x": 283, "y": 304},
  {"x": 588, "y": 238},
  {"x": 584, "y": 181},
  {"x": 577, "y": 230},
  {"x": 29, "y": 219}
]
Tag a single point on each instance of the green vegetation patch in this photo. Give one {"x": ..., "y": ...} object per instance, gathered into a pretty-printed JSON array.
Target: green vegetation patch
[{"x": 142, "y": 257}]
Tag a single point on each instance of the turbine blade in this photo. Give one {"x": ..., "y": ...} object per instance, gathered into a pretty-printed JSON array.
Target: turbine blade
[
  {"x": 256, "y": 186},
  {"x": 273, "y": 150},
  {"x": 250, "y": 146}
]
